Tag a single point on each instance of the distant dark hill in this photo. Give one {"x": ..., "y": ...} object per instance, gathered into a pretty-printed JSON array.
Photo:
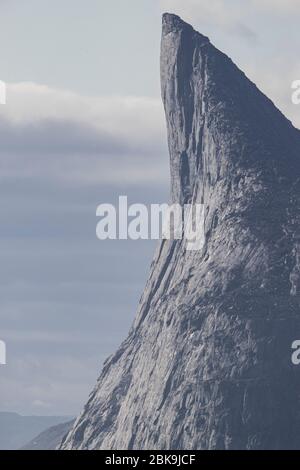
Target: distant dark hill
[
  {"x": 49, "y": 439},
  {"x": 16, "y": 430}
]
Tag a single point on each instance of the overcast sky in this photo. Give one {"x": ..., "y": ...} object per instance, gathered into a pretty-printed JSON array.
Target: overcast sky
[{"x": 82, "y": 125}]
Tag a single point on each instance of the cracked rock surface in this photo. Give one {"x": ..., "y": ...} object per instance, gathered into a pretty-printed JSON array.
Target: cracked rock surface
[{"x": 207, "y": 362}]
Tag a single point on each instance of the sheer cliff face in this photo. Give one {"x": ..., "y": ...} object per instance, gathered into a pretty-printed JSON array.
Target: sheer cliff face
[{"x": 207, "y": 363}]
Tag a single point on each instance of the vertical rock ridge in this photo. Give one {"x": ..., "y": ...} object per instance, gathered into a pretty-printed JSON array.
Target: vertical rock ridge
[{"x": 207, "y": 363}]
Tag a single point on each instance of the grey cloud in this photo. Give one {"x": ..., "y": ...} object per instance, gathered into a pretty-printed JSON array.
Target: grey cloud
[
  {"x": 245, "y": 32},
  {"x": 67, "y": 299},
  {"x": 66, "y": 137}
]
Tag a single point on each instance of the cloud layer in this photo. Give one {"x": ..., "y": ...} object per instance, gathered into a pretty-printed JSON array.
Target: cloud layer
[
  {"x": 72, "y": 137},
  {"x": 67, "y": 299}
]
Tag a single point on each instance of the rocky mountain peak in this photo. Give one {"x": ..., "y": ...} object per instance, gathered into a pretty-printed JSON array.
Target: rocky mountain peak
[
  {"x": 173, "y": 23},
  {"x": 207, "y": 362},
  {"x": 208, "y": 101}
]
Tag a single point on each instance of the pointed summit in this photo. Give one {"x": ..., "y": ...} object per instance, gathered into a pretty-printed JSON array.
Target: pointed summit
[
  {"x": 205, "y": 94},
  {"x": 174, "y": 24}
]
